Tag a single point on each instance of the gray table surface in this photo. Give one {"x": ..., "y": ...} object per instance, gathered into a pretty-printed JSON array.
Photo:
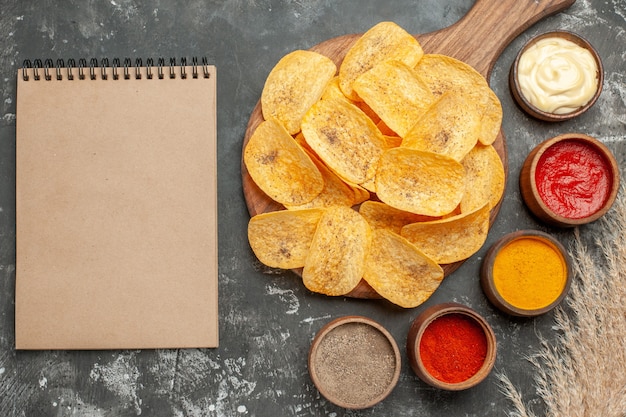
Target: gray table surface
[{"x": 267, "y": 318}]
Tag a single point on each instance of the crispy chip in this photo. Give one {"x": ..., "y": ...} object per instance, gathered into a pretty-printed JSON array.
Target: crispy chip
[
  {"x": 368, "y": 111},
  {"x": 443, "y": 73},
  {"x": 370, "y": 185},
  {"x": 396, "y": 93},
  {"x": 382, "y": 216},
  {"x": 491, "y": 119},
  {"x": 383, "y": 42},
  {"x": 299, "y": 137},
  {"x": 451, "y": 126},
  {"x": 452, "y": 239},
  {"x": 293, "y": 85},
  {"x": 420, "y": 182},
  {"x": 485, "y": 178},
  {"x": 386, "y": 130},
  {"x": 280, "y": 167},
  {"x": 360, "y": 193},
  {"x": 335, "y": 192},
  {"x": 390, "y": 142},
  {"x": 281, "y": 239},
  {"x": 344, "y": 138},
  {"x": 393, "y": 141},
  {"x": 399, "y": 271},
  {"x": 336, "y": 259},
  {"x": 405, "y": 137},
  {"x": 332, "y": 90},
  {"x": 455, "y": 212}
]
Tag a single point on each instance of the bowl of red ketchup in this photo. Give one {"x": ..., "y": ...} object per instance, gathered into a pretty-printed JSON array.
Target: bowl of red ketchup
[{"x": 569, "y": 180}]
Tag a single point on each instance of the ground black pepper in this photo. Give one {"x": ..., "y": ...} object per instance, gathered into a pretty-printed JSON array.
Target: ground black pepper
[{"x": 355, "y": 363}]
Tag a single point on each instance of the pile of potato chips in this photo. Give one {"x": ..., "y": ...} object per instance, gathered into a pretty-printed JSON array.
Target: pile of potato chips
[{"x": 385, "y": 166}]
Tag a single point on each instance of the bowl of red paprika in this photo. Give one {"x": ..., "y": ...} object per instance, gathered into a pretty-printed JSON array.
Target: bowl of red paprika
[
  {"x": 450, "y": 346},
  {"x": 569, "y": 180}
]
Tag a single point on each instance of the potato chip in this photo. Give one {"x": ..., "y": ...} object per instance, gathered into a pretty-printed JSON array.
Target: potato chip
[
  {"x": 491, "y": 119},
  {"x": 299, "y": 137},
  {"x": 443, "y": 73},
  {"x": 382, "y": 216},
  {"x": 293, "y": 85},
  {"x": 383, "y": 42},
  {"x": 344, "y": 138},
  {"x": 385, "y": 130},
  {"x": 485, "y": 178},
  {"x": 368, "y": 111},
  {"x": 336, "y": 259},
  {"x": 281, "y": 239},
  {"x": 400, "y": 272},
  {"x": 335, "y": 192},
  {"x": 452, "y": 239},
  {"x": 360, "y": 193},
  {"x": 332, "y": 90},
  {"x": 456, "y": 211},
  {"x": 392, "y": 141},
  {"x": 280, "y": 167},
  {"x": 370, "y": 185},
  {"x": 420, "y": 182},
  {"x": 405, "y": 137},
  {"x": 451, "y": 126},
  {"x": 396, "y": 93}
]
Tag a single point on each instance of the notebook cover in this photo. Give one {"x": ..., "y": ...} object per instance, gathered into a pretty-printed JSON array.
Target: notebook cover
[{"x": 116, "y": 212}]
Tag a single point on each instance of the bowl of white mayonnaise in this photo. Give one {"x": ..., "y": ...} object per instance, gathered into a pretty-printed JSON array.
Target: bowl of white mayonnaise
[{"x": 556, "y": 76}]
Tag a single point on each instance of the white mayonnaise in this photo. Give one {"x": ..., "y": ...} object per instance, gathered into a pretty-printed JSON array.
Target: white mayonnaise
[{"x": 557, "y": 76}]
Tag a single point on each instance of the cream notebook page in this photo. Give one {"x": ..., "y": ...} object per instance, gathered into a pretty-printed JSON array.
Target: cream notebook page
[{"x": 116, "y": 208}]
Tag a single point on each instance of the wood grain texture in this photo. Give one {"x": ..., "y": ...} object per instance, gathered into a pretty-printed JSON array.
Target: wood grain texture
[{"x": 478, "y": 39}]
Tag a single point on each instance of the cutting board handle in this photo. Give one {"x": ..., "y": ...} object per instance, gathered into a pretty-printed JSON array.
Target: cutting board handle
[{"x": 488, "y": 28}]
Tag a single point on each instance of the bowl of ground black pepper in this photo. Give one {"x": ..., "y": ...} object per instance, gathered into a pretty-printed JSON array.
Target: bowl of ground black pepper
[
  {"x": 452, "y": 347},
  {"x": 354, "y": 362}
]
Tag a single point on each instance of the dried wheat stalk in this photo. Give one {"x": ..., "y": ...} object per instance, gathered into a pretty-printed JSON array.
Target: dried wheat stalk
[{"x": 584, "y": 372}]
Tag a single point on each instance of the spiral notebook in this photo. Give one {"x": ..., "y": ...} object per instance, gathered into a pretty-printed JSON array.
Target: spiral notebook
[{"x": 116, "y": 205}]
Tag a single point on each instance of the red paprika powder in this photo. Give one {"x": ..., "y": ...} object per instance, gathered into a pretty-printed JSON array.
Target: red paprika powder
[
  {"x": 573, "y": 179},
  {"x": 453, "y": 348}
]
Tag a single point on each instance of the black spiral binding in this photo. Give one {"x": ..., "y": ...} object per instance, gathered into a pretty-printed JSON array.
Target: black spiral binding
[{"x": 93, "y": 69}]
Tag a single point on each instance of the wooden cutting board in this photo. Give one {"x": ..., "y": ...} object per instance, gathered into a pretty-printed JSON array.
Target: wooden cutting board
[{"x": 477, "y": 39}]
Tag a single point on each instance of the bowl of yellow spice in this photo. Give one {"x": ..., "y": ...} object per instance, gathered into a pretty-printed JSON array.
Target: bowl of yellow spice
[{"x": 526, "y": 273}]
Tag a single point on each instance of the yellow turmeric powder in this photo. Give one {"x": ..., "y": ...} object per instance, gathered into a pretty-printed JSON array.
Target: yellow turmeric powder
[{"x": 529, "y": 273}]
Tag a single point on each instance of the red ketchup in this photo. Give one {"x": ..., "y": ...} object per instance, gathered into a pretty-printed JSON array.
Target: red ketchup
[{"x": 573, "y": 179}]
